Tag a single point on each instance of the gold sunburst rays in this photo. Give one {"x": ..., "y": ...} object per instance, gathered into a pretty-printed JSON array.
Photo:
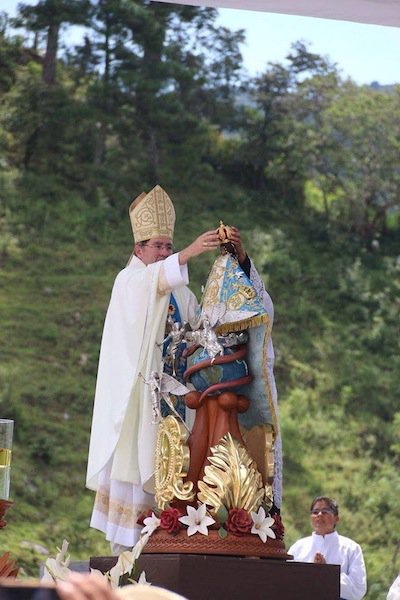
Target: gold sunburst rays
[{"x": 232, "y": 478}]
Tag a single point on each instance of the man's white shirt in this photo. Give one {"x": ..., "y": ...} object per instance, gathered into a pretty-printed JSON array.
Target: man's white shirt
[{"x": 337, "y": 550}]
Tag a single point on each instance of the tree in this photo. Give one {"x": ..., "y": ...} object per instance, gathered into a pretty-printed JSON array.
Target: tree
[
  {"x": 49, "y": 16},
  {"x": 151, "y": 89},
  {"x": 358, "y": 166},
  {"x": 281, "y": 109}
]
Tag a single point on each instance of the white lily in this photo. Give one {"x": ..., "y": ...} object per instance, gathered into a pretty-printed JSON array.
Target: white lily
[
  {"x": 125, "y": 564},
  {"x": 142, "y": 579},
  {"x": 62, "y": 557},
  {"x": 97, "y": 572},
  {"x": 140, "y": 544},
  {"x": 197, "y": 520},
  {"x": 57, "y": 568},
  {"x": 150, "y": 524},
  {"x": 262, "y": 525}
]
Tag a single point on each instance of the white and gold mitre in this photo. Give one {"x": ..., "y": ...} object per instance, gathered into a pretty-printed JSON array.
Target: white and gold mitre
[{"x": 152, "y": 215}]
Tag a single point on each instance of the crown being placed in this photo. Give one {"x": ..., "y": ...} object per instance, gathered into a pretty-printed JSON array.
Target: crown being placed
[{"x": 152, "y": 215}]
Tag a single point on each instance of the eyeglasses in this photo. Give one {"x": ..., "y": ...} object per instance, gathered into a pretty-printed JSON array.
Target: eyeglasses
[
  {"x": 158, "y": 246},
  {"x": 323, "y": 511}
]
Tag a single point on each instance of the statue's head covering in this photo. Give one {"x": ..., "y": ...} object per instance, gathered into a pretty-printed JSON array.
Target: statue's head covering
[
  {"x": 152, "y": 215},
  {"x": 229, "y": 299}
]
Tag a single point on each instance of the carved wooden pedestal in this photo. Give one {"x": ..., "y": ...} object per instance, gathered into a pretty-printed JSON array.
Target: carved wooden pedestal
[{"x": 242, "y": 545}]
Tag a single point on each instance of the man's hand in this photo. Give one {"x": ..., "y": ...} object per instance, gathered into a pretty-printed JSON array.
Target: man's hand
[
  {"x": 85, "y": 587},
  {"x": 320, "y": 559},
  {"x": 205, "y": 242}
]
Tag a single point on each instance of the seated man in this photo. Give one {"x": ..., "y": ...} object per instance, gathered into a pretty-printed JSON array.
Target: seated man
[{"x": 326, "y": 546}]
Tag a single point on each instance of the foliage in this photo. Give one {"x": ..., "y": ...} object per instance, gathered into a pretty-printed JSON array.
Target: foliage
[{"x": 358, "y": 164}]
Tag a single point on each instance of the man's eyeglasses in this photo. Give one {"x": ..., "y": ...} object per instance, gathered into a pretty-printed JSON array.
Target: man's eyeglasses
[
  {"x": 323, "y": 511},
  {"x": 159, "y": 246}
]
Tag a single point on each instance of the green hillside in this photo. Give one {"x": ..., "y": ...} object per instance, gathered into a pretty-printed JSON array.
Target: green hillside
[
  {"x": 337, "y": 371},
  {"x": 309, "y": 173}
]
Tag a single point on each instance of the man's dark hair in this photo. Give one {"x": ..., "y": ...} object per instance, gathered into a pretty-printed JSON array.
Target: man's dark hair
[{"x": 332, "y": 504}]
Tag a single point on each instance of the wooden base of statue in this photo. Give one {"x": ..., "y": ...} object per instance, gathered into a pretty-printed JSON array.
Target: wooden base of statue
[
  {"x": 233, "y": 545},
  {"x": 214, "y": 577},
  {"x": 216, "y": 453},
  {"x": 4, "y": 506}
]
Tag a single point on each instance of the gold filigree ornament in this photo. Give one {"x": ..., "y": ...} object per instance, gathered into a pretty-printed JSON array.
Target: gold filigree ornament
[
  {"x": 172, "y": 463},
  {"x": 231, "y": 479},
  {"x": 269, "y": 496}
]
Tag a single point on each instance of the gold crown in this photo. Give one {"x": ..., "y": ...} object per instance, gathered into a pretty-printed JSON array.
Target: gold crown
[{"x": 152, "y": 215}]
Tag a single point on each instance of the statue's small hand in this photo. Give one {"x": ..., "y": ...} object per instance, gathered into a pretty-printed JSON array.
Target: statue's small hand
[{"x": 237, "y": 242}]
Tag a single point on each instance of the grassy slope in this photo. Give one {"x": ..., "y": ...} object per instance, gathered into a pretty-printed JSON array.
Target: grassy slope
[{"x": 53, "y": 296}]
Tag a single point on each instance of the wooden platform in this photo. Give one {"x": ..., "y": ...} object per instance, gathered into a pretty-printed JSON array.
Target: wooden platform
[{"x": 213, "y": 577}]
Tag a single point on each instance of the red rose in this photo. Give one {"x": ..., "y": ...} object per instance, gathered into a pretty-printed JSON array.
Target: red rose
[
  {"x": 239, "y": 521},
  {"x": 169, "y": 520},
  {"x": 278, "y": 527}
]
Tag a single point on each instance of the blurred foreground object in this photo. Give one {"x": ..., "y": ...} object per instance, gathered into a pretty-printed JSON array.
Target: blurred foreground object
[
  {"x": 6, "y": 437},
  {"x": 8, "y": 566},
  {"x": 147, "y": 592}
]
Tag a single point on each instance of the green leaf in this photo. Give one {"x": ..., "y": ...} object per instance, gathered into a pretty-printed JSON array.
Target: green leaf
[
  {"x": 221, "y": 514},
  {"x": 222, "y": 532}
]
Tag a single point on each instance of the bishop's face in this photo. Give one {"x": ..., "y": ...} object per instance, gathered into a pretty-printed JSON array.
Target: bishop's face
[{"x": 154, "y": 250}]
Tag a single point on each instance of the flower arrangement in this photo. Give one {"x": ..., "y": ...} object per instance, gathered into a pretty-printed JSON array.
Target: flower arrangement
[{"x": 235, "y": 521}]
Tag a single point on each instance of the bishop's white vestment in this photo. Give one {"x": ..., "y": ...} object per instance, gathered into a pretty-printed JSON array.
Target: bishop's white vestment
[{"x": 123, "y": 437}]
